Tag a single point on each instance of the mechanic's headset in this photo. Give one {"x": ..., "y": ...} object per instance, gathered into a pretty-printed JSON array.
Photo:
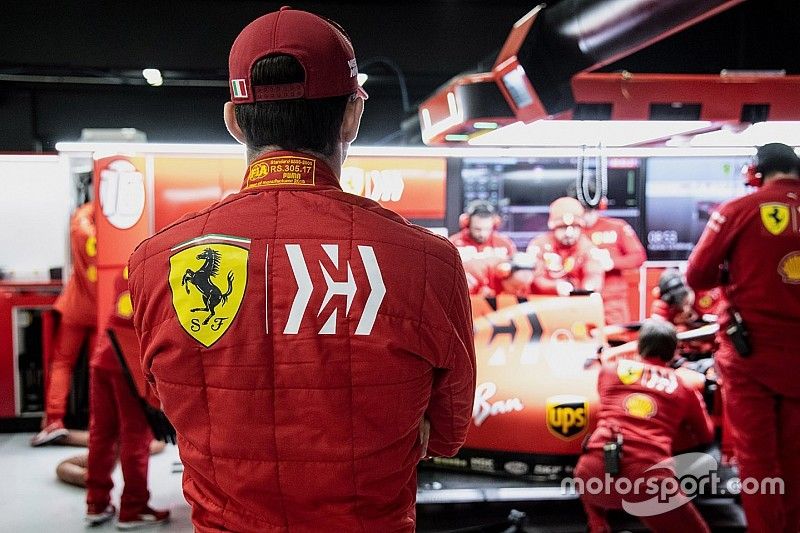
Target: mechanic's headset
[
  {"x": 480, "y": 207},
  {"x": 753, "y": 177}
]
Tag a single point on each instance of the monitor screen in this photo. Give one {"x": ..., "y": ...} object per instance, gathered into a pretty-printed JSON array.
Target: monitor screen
[
  {"x": 681, "y": 194},
  {"x": 523, "y": 188}
]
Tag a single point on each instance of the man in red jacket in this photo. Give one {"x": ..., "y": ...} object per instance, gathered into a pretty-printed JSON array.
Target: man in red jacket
[
  {"x": 482, "y": 247},
  {"x": 751, "y": 247},
  {"x": 565, "y": 259},
  {"x": 307, "y": 344},
  {"x": 644, "y": 407},
  {"x": 625, "y": 252},
  {"x": 78, "y": 316}
]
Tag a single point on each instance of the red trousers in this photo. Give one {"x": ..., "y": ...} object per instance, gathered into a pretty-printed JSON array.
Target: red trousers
[
  {"x": 765, "y": 427},
  {"x": 591, "y": 465},
  {"x": 69, "y": 341},
  {"x": 116, "y": 425}
]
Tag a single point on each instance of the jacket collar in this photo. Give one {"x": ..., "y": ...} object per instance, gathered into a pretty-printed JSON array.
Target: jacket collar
[
  {"x": 286, "y": 169},
  {"x": 782, "y": 182}
]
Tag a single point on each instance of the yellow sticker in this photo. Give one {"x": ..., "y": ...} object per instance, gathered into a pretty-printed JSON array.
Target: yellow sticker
[
  {"x": 208, "y": 284},
  {"x": 91, "y": 273},
  {"x": 91, "y": 246},
  {"x": 629, "y": 371},
  {"x": 124, "y": 305},
  {"x": 640, "y": 406},
  {"x": 775, "y": 217}
]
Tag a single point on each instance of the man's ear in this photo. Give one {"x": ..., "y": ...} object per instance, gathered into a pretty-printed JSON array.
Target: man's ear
[
  {"x": 232, "y": 125},
  {"x": 352, "y": 120}
]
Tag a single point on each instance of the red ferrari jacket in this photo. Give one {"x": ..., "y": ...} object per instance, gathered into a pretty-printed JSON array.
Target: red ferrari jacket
[
  {"x": 497, "y": 245},
  {"x": 627, "y": 252},
  {"x": 758, "y": 238},
  {"x": 78, "y": 301},
  {"x": 555, "y": 262},
  {"x": 481, "y": 259},
  {"x": 651, "y": 406},
  {"x": 297, "y": 335}
]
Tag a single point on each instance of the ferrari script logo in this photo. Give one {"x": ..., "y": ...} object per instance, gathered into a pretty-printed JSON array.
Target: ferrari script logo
[
  {"x": 775, "y": 217},
  {"x": 208, "y": 282}
]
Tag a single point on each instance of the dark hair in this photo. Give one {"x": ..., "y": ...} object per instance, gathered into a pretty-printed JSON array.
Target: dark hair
[
  {"x": 480, "y": 209},
  {"x": 777, "y": 157},
  {"x": 657, "y": 338},
  {"x": 298, "y": 124},
  {"x": 672, "y": 287}
]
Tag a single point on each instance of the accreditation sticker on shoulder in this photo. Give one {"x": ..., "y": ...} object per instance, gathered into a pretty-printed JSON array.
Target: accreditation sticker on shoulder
[{"x": 208, "y": 278}]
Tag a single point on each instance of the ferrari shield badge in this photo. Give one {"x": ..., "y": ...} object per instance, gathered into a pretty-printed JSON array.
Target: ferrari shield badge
[
  {"x": 208, "y": 277},
  {"x": 775, "y": 217}
]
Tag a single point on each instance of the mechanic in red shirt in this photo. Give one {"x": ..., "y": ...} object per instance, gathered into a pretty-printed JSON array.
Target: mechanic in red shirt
[
  {"x": 644, "y": 406},
  {"x": 566, "y": 260},
  {"x": 482, "y": 247},
  {"x": 117, "y": 424},
  {"x": 307, "y": 344},
  {"x": 625, "y": 253},
  {"x": 77, "y": 327},
  {"x": 751, "y": 247}
]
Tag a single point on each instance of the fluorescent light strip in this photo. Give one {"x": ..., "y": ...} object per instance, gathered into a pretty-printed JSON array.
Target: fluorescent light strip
[
  {"x": 411, "y": 151},
  {"x": 588, "y": 132}
]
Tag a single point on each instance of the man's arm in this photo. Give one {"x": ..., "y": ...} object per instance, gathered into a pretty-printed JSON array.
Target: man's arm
[
  {"x": 453, "y": 394},
  {"x": 137, "y": 290},
  {"x": 629, "y": 252},
  {"x": 708, "y": 257}
]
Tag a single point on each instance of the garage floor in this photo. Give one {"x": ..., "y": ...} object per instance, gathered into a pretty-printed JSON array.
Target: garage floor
[{"x": 33, "y": 500}]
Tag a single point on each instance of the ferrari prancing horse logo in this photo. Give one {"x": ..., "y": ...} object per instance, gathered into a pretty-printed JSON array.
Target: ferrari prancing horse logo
[
  {"x": 775, "y": 217},
  {"x": 208, "y": 282}
]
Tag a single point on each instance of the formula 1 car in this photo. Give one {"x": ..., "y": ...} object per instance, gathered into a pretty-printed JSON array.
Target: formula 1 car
[{"x": 536, "y": 397}]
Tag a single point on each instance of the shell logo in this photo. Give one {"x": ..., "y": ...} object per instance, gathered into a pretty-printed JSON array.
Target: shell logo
[
  {"x": 789, "y": 268},
  {"x": 640, "y": 406}
]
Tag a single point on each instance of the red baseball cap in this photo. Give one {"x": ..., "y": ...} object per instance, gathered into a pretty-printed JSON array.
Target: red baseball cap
[{"x": 320, "y": 45}]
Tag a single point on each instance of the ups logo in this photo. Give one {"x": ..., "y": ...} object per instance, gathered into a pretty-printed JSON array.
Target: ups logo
[{"x": 567, "y": 415}]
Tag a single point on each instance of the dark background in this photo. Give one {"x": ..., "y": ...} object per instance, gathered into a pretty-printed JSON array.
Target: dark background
[{"x": 430, "y": 41}]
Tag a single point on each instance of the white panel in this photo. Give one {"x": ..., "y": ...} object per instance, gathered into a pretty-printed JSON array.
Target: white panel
[{"x": 34, "y": 219}]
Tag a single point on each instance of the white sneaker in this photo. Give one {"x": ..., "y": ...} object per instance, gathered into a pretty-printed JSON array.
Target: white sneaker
[{"x": 95, "y": 518}]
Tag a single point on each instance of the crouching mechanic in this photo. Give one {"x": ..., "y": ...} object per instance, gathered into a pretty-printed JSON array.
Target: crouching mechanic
[
  {"x": 644, "y": 406},
  {"x": 308, "y": 345},
  {"x": 565, "y": 259},
  {"x": 751, "y": 248}
]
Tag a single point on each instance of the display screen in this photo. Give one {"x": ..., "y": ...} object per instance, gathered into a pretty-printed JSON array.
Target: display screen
[
  {"x": 523, "y": 188},
  {"x": 680, "y": 196}
]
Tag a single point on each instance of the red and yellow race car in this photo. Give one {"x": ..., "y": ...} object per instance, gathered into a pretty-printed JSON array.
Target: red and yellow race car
[{"x": 536, "y": 396}]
